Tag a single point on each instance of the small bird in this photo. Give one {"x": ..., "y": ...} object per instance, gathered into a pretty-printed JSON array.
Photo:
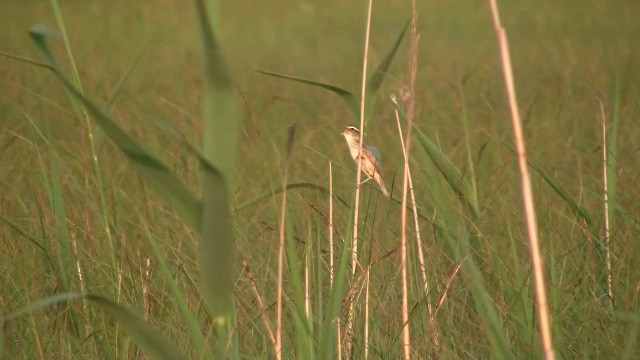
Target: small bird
[{"x": 369, "y": 164}]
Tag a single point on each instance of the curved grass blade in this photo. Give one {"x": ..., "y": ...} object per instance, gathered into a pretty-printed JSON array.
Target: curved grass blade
[
  {"x": 377, "y": 76},
  {"x": 612, "y": 151},
  {"x": 299, "y": 185},
  {"x": 347, "y": 96},
  {"x": 575, "y": 207},
  {"x": 454, "y": 177},
  {"x": 155, "y": 343},
  {"x": 40, "y": 304},
  {"x": 118, "y": 88},
  {"x": 25, "y": 60},
  {"x": 153, "y": 170},
  {"x": 29, "y": 237}
]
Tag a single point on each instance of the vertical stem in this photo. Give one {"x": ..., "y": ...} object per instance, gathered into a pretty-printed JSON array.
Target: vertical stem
[
  {"x": 406, "y": 336},
  {"x": 283, "y": 218},
  {"x": 331, "y": 259},
  {"x": 421, "y": 261},
  {"x": 354, "y": 245},
  {"x": 366, "y": 314},
  {"x": 605, "y": 180},
  {"x": 263, "y": 313},
  {"x": 527, "y": 192}
]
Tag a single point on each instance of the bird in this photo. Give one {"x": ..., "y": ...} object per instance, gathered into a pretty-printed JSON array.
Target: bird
[{"x": 369, "y": 165}]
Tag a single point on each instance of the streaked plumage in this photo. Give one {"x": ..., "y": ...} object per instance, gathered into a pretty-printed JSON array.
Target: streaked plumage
[{"x": 369, "y": 164}]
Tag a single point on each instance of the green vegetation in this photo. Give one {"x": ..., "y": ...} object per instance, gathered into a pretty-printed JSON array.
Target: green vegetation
[{"x": 125, "y": 234}]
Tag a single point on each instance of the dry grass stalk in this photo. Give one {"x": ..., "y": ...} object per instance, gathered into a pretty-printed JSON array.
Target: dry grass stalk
[
  {"x": 527, "y": 192},
  {"x": 354, "y": 245},
  {"x": 283, "y": 217},
  {"x": 330, "y": 226},
  {"x": 307, "y": 298},
  {"x": 366, "y": 314},
  {"x": 331, "y": 259},
  {"x": 443, "y": 294},
  {"x": 421, "y": 261},
  {"x": 83, "y": 288},
  {"x": 146, "y": 287},
  {"x": 605, "y": 195},
  {"x": 263, "y": 313},
  {"x": 406, "y": 338}
]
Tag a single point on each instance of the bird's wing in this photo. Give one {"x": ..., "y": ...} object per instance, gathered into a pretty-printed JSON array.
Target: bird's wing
[{"x": 376, "y": 155}]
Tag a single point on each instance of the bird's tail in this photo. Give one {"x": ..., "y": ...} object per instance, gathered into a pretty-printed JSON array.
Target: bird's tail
[{"x": 378, "y": 178}]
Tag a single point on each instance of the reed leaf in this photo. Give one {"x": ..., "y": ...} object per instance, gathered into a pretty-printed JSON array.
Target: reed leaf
[
  {"x": 152, "y": 341},
  {"x": 460, "y": 184},
  {"x": 218, "y": 179},
  {"x": 347, "y": 96},
  {"x": 374, "y": 81}
]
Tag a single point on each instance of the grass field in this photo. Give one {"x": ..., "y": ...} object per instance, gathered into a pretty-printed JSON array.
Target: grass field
[{"x": 73, "y": 225}]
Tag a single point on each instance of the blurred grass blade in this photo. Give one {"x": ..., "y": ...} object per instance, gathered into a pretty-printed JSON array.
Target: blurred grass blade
[
  {"x": 118, "y": 88},
  {"x": 29, "y": 237},
  {"x": 25, "y": 60},
  {"x": 326, "y": 336},
  {"x": 377, "y": 76},
  {"x": 150, "y": 340},
  {"x": 219, "y": 149},
  {"x": 612, "y": 152},
  {"x": 451, "y": 227},
  {"x": 575, "y": 207},
  {"x": 347, "y": 96},
  {"x": 454, "y": 177},
  {"x": 169, "y": 187},
  {"x": 291, "y": 134},
  {"x": 40, "y": 304},
  {"x": 302, "y": 322},
  {"x": 299, "y": 185}
]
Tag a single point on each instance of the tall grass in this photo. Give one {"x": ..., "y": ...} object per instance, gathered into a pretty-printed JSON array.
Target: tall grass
[{"x": 179, "y": 257}]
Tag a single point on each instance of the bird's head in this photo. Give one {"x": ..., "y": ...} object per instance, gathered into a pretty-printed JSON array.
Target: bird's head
[{"x": 351, "y": 133}]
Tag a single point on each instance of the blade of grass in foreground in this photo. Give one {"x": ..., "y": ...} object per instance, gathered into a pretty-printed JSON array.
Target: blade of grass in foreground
[
  {"x": 376, "y": 78},
  {"x": 151, "y": 340},
  {"x": 218, "y": 181},
  {"x": 373, "y": 82},
  {"x": 347, "y": 96}
]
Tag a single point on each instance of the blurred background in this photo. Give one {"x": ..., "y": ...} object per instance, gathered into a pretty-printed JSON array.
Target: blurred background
[{"x": 567, "y": 56}]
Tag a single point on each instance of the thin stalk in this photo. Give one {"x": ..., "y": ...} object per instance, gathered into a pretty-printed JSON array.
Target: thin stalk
[
  {"x": 283, "y": 217},
  {"x": 307, "y": 290},
  {"x": 81, "y": 281},
  {"x": 354, "y": 245},
  {"x": 406, "y": 336},
  {"x": 527, "y": 192},
  {"x": 366, "y": 314},
  {"x": 283, "y": 214},
  {"x": 408, "y": 183},
  {"x": 443, "y": 294},
  {"x": 83, "y": 115},
  {"x": 605, "y": 195},
  {"x": 263, "y": 313},
  {"x": 330, "y": 226},
  {"x": 416, "y": 223},
  {"x": 331, "y": 261},
  {"x": 146, "y": 288}
]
